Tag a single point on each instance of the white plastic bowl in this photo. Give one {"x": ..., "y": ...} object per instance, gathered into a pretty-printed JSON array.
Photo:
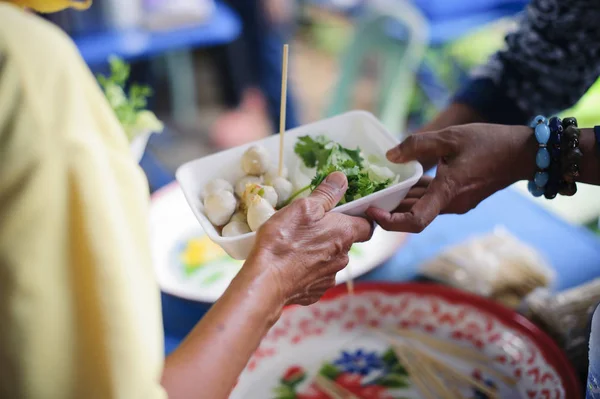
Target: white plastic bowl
[{"x": 352, "y": 129}]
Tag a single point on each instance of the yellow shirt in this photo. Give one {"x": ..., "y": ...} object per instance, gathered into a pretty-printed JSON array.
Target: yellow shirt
[{"x": 79, "y": 305}]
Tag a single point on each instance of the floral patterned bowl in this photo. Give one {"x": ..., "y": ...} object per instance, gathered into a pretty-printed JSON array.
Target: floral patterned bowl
[{"x": 333, "y": 338}]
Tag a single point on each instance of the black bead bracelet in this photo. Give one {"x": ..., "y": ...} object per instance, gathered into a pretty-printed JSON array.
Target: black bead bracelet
[
  {"x": 571, "y": 155},
  {"x": 554, "y": 146}
]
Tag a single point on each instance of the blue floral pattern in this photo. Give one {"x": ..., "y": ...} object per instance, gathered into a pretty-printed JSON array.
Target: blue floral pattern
[{"x": 359, "y": 362}]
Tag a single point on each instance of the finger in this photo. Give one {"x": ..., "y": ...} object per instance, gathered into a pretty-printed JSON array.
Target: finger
[
  {"x": 420, "y": 147},
  {"x": 424, "y": 181},
  {"x": 423, "y": 212},
  {"x": 321, "y": 284},
  {"x": 351, "y": 228},
  {"x": 330, "y": 191},
  {"x": 416, "y": 192},
  {"x": 406, "y": 205},
  {"x": 362, "y": 228}
]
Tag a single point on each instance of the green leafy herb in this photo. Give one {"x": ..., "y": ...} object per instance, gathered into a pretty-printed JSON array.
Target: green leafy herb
[
  {"x": 328, "y": 157},
  {"x": 320, "y": 152},
  {"x": 130, "y": 108},
  {"x": 311, "y": 150}
]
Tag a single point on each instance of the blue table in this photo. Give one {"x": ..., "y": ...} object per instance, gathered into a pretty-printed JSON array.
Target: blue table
[{"x": 573, "y": 252}]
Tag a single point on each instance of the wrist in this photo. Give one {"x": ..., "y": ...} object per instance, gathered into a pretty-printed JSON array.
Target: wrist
[
  {"x": 525, "y": 147},
  {"x": 259, "y": 277}
]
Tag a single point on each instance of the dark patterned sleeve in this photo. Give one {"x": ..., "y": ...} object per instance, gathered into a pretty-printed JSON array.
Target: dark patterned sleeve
[{"x": 548, "y": 63}]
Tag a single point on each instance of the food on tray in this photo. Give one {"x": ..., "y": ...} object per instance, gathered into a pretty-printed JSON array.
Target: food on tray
[
  {"x": 259, "y": 211},
  {"x": 217, "y": 185},
  {"x": 240, "y": 185},
  {"x": 255, "y": 161},
  {"x": 323, "y": 156},
  {"x": 220, "y": 206},
  {"x": 284, "y": 189},
  {"x": 235, "y": 228},
  {"x": 247, "y": 204}
]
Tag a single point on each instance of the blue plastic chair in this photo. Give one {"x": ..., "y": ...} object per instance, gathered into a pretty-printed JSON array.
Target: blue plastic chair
[{"x": 401, "y": 59}]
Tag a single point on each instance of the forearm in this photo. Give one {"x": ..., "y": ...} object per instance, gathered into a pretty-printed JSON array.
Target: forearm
[
  {"x": 456, "y": 114},
  {"x": 209, "y": 361}
]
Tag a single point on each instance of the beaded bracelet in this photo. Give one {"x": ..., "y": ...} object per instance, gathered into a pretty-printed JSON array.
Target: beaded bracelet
[
  {"x": 597, "y": 136},
  {"x": 554, "y": 145},
  {"x": 542, "y": 159},
  {"x": 571, "y": 155}
]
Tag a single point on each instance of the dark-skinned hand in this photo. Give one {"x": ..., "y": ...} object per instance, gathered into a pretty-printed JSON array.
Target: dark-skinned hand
[{"x": 474, "y": 161}]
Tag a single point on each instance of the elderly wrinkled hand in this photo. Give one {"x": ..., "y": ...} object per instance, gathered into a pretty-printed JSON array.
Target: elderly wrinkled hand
[
  {"x": 304, "y": 245},
  {"x": 474, "y": 161}
]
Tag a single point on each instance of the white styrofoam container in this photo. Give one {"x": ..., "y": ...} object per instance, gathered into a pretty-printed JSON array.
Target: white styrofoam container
[{"x": 352, "y": 129}]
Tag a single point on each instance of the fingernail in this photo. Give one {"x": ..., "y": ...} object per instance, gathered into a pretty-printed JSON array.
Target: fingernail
[
  {"x": 336, "y": 180},
  {"x": 395, "y": 155}
]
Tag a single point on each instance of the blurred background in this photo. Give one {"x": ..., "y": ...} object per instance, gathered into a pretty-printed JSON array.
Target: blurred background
[{"x": 215, "y": 66}]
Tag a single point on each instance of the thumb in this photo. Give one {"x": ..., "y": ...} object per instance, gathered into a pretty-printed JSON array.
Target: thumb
[{"x": 330, "y": 191}]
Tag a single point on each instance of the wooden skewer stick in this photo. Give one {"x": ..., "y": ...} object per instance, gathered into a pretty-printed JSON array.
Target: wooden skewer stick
[
  {"x": 430, "y": 374},
  {"x": 449, "y": 370},
  {"x": 478, "y": 358},
  {"x": 437, "y": 364},
  {"x": 444, "y": 346},
  {"x": 332, "y": 389},
  {"x": 283, "y": 110},
  {"x": 456, "y": 392},
  {"x": 325, "y": 386},
  {"x": 350, "y": 281},
  {"x": 413, "y": 373}
]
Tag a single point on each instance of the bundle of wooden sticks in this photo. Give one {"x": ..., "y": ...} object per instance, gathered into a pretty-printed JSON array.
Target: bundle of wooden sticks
[{"x": 434, "y": 377}]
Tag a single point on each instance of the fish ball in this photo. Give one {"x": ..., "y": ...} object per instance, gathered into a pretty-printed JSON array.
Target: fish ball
[
  {"x": 273, "y": 173},
  {"x": 255, "y": 160},
  {"x": 235, "y": 228},
  {"x": 241, "y": 184},
  {"x": 216, "y": 185},
  {"x": 259, "y": 211},
  {"x": 239, "y": 216},
  {"x": 219, "y": 207},
  {"x": 284, "y": 189},
  {"x": 270, "y": 194}
]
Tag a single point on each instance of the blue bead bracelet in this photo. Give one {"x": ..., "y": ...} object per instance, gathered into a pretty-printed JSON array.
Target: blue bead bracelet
[{"x": 543, "y": 157}]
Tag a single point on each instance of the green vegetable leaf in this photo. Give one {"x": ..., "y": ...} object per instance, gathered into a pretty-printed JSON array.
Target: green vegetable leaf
[
  {"x": 130, "y": 108},
  {"x": 328, "y": 157},
  {"x": 355, "y": 156},
  {"x": 310, "y": 150}
]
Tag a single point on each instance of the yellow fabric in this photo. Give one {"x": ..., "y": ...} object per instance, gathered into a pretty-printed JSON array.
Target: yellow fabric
[
  {"x": 79, "y": 305},
  {"x": 48, "y": 6}
]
